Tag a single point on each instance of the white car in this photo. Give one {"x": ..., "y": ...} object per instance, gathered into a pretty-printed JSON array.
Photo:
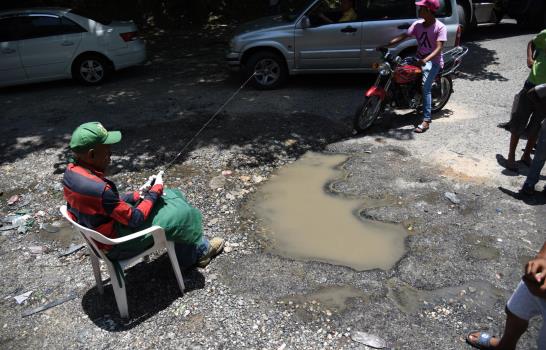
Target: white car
[{"x": 52, "y": 43}]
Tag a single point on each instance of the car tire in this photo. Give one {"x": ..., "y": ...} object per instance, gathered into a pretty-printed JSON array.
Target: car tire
[
  {"x": 269, "y": 68},
  {"x": 91, "y": 69}
]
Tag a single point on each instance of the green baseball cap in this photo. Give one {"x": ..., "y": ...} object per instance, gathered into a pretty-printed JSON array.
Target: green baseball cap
[{"x": 91, "y": 134}]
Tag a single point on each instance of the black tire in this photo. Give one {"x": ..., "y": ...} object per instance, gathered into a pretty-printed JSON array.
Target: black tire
[
  {"x": 91, "y": 69},
  {"x": 269, "y": 68},
  {"x": 441, "y": 94},
  {"x": 367, "y": 113}
]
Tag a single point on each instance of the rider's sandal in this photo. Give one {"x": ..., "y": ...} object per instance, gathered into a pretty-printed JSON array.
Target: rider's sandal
[
  {"x": 421, "y": 128},
  {"x": 483, "y": 342}
]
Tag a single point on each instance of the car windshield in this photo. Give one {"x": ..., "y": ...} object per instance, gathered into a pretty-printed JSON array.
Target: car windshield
[{"x": 293, "y": 8}]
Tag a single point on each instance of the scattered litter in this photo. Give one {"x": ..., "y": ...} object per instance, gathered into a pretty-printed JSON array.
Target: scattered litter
[
  {"x": 452, "y": 197},
  {"x": 245, "y": 178},
  {"x": 370, "y": 340},
  {"x": 22, "y": 222},
  {"x": 54, "y": 303},
  {"x": 228, "y": 249},
  {"x": 22, "y": 297},
  {"x": 282, "y": 347},
  {"x": 36, "y": 249},
  {"x": 459, "y": 153},
  {"x": 13, "y": 199},
  {"x": 257, "y": 179},
  {"x": 7, "y": 228},
  {"x": 499, "y": 239},
  {"x": 498, "y": 210},
  {"x": 72, "y": 249},
  {"x": 227, "y": 172},
  {"x": 40, "y": 213},
  {"x": 369, "y": 152}
]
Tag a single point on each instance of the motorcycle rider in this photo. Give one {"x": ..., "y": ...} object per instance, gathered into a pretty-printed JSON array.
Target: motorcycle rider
[{"x": 431, "y": 34}]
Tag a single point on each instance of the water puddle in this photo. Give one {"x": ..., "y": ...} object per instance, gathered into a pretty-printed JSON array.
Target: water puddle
[
  {"x": 307, "y": 223},
  {"x": 59, "y": 232},
  {"x": 332, "y": 298}
]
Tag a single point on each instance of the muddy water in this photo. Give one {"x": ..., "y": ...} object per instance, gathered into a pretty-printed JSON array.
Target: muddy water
[
  {"x": 307, "y": 223},
  {"x": 335, "y": 298},
  {"x": 60, "y": 232}
]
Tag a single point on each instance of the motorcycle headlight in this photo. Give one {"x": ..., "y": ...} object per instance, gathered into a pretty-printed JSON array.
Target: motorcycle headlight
[{"x": 385, "y": 68}]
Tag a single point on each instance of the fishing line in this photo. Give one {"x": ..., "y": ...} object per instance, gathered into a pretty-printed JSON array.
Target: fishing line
[{"x": 208, "y": 122}]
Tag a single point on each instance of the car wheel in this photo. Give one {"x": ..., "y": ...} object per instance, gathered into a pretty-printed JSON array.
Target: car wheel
[
  {"x": 269, "y": 70},
  {"x": 91, "y": 69}
]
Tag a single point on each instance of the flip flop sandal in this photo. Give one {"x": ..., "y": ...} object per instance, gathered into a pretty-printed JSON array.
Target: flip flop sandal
[
  {"x": 421, "y": 128},
  {"x": 483, "y": 342}
]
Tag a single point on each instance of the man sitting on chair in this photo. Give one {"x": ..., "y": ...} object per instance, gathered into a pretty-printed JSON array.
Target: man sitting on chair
[{"x": 94, "y": 202}]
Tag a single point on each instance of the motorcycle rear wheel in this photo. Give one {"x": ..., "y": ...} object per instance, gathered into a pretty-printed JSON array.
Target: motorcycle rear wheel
[
  {"x": 441, "y": 94},
  {"x": 367, "y": 113}
]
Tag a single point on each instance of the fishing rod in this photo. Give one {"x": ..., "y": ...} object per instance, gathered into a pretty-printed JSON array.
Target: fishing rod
[
  {"x": 151, "y": 180},
  {"x": 208, "y": 122}
]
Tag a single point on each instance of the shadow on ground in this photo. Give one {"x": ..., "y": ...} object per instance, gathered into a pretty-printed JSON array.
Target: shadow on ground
[{"x": 151, "y": 287}]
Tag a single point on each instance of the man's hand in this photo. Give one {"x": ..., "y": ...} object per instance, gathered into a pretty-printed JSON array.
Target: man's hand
[
  {"x": 530, "y": 62},
  {"x": 535, "y": 274},
  {"x": 421, "y": 62},
  {"x": 159, "y": 178},
  {"x": 147, "y": 185}
]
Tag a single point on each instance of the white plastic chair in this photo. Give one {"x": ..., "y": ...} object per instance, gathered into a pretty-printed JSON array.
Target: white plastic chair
[{"x": 117, "y": 281}]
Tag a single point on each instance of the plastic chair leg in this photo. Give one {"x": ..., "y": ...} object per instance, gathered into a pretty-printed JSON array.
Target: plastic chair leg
[
  {"x": 96, "y": 270},
  {"x": 176, "y": 266},
  {"x": 119, "y": 292}
]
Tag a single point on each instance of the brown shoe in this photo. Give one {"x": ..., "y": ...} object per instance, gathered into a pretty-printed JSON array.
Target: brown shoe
[{"x": 216, "y": 246}]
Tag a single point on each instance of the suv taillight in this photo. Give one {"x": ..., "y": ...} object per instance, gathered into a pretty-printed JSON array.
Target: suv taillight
[
  {"x": 129, "y": 36},
  {"x": 458, "y": 36}
]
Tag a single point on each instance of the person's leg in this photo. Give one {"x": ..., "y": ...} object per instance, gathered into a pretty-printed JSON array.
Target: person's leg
[
  {"x": 538, "y": 162},
  {"x": 430, "y": 70},
  {"x": 189, "y": 254},
  {"x": 520, "y": 308},
  {"x": 521, "y": 111}
]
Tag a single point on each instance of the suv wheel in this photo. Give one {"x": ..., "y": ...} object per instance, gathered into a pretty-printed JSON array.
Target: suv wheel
[
  {"x": 91, "y": 69},
  {"x": 269, "y": 70}
]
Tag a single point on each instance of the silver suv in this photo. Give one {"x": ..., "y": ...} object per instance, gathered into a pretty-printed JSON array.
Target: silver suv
[{"x": 310, "y": 39}]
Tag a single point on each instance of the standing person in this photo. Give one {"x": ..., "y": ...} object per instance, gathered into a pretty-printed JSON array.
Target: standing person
[
  {"x": 93, "y": 201},
  {"x": 527, "y": 301},
  {"x": 523, "y": 113},
  {"x": 537, "y": 95},
  {"x": 431, "y": 34}
]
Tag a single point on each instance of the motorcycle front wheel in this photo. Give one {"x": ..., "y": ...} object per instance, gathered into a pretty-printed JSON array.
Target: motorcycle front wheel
[
  {"x": 366, "y": 113},
  {"x": 441, "y": 92}
]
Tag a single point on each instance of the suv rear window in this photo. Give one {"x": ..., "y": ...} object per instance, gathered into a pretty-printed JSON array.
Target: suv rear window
[
  {"x": 397, "y": 9},
  {"x": 387, "y": 9},
  {"x": 445, "y": 9}
]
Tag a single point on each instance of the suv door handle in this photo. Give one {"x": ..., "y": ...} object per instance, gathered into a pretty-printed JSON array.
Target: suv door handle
[
  {"x": 404, "y": 26},
  {"x": 67, "y": 43},
  {"x": 8, "y": 50},
  {"x": 349, "y": 29}
]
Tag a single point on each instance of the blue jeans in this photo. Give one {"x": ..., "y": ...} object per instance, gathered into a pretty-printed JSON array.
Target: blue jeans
[
  {"x": 538, "y": 160},
  {"x": 188, "y": 254},
  {"x": 430, "y": 70}
]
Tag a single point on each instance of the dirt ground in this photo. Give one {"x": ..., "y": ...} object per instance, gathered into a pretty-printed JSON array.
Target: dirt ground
[{"x": 462, "y": 261}]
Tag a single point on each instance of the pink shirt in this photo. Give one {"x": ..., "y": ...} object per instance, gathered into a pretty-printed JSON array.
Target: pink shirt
[{"x": 427, "y": 38}]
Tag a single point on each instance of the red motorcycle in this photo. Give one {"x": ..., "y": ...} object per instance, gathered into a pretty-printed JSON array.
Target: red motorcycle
[{"x": 398, "y": 85}]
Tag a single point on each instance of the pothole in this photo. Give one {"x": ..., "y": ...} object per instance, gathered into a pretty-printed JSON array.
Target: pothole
[{"x": 308, "y": 223}]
